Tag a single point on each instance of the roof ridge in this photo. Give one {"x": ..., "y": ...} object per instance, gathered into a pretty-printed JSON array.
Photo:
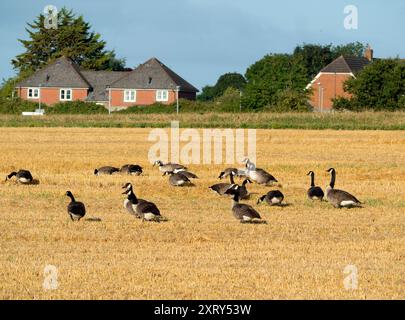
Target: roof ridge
[
  {"x": 345, "y": 61},
  {"x": 76, "y": 68}
]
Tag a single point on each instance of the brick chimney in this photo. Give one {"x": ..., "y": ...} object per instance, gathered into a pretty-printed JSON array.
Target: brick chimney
[{"x": 368, "y": 53}]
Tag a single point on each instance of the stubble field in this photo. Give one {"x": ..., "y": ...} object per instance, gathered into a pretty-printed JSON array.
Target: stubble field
[{"x": 201, "y": 252}]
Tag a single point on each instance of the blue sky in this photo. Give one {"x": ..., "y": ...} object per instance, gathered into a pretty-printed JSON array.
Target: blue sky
[{"x": 202, "y": 39}]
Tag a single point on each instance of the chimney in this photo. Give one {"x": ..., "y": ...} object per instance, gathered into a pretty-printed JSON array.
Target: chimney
[{"x": 368, "y": 53}]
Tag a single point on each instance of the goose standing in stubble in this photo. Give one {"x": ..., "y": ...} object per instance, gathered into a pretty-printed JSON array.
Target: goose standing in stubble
[
  {"x": 340, "y": 198},
  {"x": 314, "y": 192},
  {"x": 75, "y": 209}
]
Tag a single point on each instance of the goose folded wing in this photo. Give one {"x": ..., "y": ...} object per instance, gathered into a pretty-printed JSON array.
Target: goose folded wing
[
  {"x": 147, "y": 207},
  {"x": 346, "y": 196},
  {"x": 246, "y": 210}
]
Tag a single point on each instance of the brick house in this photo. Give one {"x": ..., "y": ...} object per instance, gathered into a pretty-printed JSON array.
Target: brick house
[
  {"x": 329, "y": 83},
  {"x": 62, "y": 80}
]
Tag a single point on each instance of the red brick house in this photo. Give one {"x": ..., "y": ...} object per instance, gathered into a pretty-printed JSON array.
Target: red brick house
[
  {"x": 62, "y": 80},
  {"x": 329, "y": 82}
]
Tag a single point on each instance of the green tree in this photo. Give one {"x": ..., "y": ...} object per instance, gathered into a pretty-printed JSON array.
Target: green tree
[
  {"x": 380, "y": 86},
  {"x": 228, "y": 80},
  {"x": 72, "y": 38},
  {"x": 355, "y": 49},
  {"x": 316, "y": 56},
  {"x": 270, "y": 75}
]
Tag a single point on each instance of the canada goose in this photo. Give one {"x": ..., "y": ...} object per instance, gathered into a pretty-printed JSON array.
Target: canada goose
[
  {"x": 339, "y": 198},
  {"x": 75, "y": 209},
  {"x": 243, "y": 212},
  {"x": 140, "y": 208},
  {"x": 188, "y": 174},
  {"x": 258, "y": 175},
  {"x": 173, "y": 167},
  {"x": 22, "y": 176},
  {"x": 221, "y": 188},
  {"x": 107, "y": 170},
  {"x": 314, "y": 193},
  {"x": 178, "y": 179},
  {"x": 272, "y": 198},
  {"x": 261, "y": 176},
  {"x": 131, "y": 202},
  {"x": 133, "y": 169}
]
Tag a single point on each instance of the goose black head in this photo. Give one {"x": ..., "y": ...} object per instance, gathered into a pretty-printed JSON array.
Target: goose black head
[
  {"x": 261, "y": 199},
  {"x": 158, "y": 163},
  {"x": 68, "y": 193},
  {"x": 310, "y": 173},
  {"x": 12, "y": 174},
  {"x": 127, "y": 187},
  {"x": 233, "y": 190},
  {"x": 95, "y": 171},
  {"x": 331, "y": 170},
  {"x": 246, "y": 181}
]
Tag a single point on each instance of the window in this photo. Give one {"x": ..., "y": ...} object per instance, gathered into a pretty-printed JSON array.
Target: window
[
  {"x": 162, "y": 95},
  {"x": 33, "y": 93},
  {"x": 129, "y": 95},
  {"x": 65, "y": 94}
]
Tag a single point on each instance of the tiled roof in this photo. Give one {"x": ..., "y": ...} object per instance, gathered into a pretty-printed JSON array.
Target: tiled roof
[
  {"x": 64, "y": 73},
  {"x": 153, "y": 74},
  {"x": 99, "y": 81},
  {"x": 346, "y": 64},
  {"x": 61, "y": 73}
]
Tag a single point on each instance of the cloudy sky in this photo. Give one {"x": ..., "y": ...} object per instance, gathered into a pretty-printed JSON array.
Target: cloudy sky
[{"x": 202, "y": 39}]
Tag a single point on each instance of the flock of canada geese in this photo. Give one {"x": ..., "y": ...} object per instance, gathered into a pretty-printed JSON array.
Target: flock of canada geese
[{"x": 179, "y": 176}]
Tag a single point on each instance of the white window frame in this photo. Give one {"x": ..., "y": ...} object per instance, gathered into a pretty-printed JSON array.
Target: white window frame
[
  {"x": 159, "y": 95},
  {"x": 65, "y": 90},
  {"x": 32, "y": 91},
  {"x": 129, "y": 95}
]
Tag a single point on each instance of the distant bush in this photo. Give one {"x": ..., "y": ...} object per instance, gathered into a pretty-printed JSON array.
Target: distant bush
[
  {"x": 75, "y": 107},
  {"x": 16, "y": 106},
  {"x": 154, "y": 108},
  {"x": 289, "y": 101}
]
